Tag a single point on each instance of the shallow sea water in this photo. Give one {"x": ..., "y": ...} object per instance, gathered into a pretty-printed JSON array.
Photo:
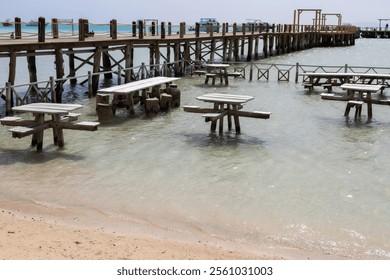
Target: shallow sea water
[{"x": 308, "y": 178}]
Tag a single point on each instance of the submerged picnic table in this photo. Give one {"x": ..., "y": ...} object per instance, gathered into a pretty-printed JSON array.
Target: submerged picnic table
[
  {"x": 225, "y": 105},
  {"x": 330, "y": 79},
  {"x": 356, "y": 95},
  {"x": 128, "y": 91},
  {"x": 61, "y": 118}
]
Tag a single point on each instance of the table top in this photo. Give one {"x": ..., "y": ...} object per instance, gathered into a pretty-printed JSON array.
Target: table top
[
  {"x": 327, "y": 74},
  {"x": 343, "y": 74},
  {"x": 138, "y": 85},
  {"x": 47, "y": 108},
  {"x": 216, "y": 65},
  {"x": 225, "y": 98},
  {"x": 362, "y": 87}
]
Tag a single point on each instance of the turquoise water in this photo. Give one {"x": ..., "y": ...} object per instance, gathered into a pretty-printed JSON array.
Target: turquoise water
[{"x": 306, "y": 179}]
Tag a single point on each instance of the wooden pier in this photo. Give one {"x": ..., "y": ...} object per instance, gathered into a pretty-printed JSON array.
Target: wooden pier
[{"x": 164, "y": 46}]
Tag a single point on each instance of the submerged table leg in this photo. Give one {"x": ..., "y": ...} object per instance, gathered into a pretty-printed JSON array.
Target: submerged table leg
[
  {"x": 58, "y": 134},
  {"x": 229, "y": 118},
  {"x": 236, "y": 120},
  {"x": 37, "y": 137}
]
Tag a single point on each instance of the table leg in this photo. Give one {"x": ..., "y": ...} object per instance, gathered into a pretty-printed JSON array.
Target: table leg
[
  {"x": 369, "y": 105},
  {"x": 236, "y": 120},
  {"x": 58, "y": 133},
  {"x": 213, "y": 126},
  {"x": 37, "y": 137},
  {"x": 229, "y": 117},
  {"x": 221, "y": 124}
]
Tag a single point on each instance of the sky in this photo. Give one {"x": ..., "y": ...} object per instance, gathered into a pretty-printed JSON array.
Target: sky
[{"x": 356, "y": 12}]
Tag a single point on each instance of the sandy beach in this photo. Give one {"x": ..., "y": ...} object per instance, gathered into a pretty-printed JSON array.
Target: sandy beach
[{"x": 29, "y": 238}]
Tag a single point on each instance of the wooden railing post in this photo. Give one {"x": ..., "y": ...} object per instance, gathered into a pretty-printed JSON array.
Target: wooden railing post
[
  {"x": 113, "y": 29},
  {"x": 120, "y": 70},
  {"x": 90, "y": 88},
  {"x": 81, "y": 30},
  {"x": 153, "y": 28},
  {"x": 53, "y": 90},
  {"x": 140, "y": 29},
  {"x": 41, "y": 29},
  {"x": 197, "y": 29},
  {"x": 163, "y": 30},
  {"x": 169, "y": 28},
  {"x": 18, "y": 28},
  {"x": 54, "y": 28},
  {"x": 9, "y": 101},
  {"x": 134, "y": 28}
]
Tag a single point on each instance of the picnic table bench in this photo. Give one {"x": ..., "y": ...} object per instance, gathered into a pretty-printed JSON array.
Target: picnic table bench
[
  {"x": 225, "y": 105},
  {"x": 356, "y": 95}
]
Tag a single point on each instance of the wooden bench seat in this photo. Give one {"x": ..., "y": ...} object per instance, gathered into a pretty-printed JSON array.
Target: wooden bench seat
[
  {"x": 212, "y": 116},
  {"x": 210, "y": 76},
  {"x": 21, "y": 131},
  {"x": 91, "y": 126},
  {"x": 197, "y": 109},
  {"x": 254, "y": 114},
  {"x": 308, "y": 86},
  {"x": 328, "y": 87},
  {"x": 70, "y": 117},
  {"x": 200, "y": 72},
  {"x": 10, "y": 119}
]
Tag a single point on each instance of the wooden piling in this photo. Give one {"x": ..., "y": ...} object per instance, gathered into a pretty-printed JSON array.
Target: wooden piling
[
  {"x": 41, "y": 29},
  {"x": 54, "y": 28}
]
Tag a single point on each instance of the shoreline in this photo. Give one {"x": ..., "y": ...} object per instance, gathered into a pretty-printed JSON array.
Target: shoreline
[{"x": 29, "y": 236}]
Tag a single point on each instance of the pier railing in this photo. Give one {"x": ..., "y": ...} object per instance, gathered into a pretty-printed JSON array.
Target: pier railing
[
  {"x": 51, "y": 90},
  {"x": 66, "y": 28}
]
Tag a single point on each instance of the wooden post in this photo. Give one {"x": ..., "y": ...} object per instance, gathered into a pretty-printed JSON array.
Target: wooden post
[
  {"x": 129, "y": 53},
  {"x": 59, "y": 62},
  {"x": 53, "y": 90},
  {"x": 72, "y": 71},
  {"x": 54, "y": 28},
  {"x": 140, "y": 29},
  {"x": 81, "y": 30},
  {"x": 177, "y": 60},
  {"x": 96, "y": 69},
  {"x": 113, "y": 29},
  {"x": 162, "y": 30},
  {"x": 41, "y": 29},
  {"x": 212, "y": 50},
  {"x": 90, "y": 87},
  {"x": 9, "y": 100},
  {"x": 153, "y": 28},
  {"x": 169, "y": 28},
  {"x": 197, "y": 29},
  {"x": 181, "y": 30},
  {"x": 32, "y": 67},
  {"x": 12, "y": 67},
  {"x": 151, "y": 57},
  {"x": 250, "y": 48},
  {"x": 106, "y": 63},
  {"x": 18, "y": 28},
  {"x": 157, "y": 58},
  {"x": 134, "y": 28}
]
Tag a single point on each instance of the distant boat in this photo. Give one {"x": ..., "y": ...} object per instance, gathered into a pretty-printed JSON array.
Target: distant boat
[
  {"x": 256, "y": 22},
  {"x": 7, "y": 22},
  {"x": 34, "y": 23},
  {"x": 205, "y": 25}
]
